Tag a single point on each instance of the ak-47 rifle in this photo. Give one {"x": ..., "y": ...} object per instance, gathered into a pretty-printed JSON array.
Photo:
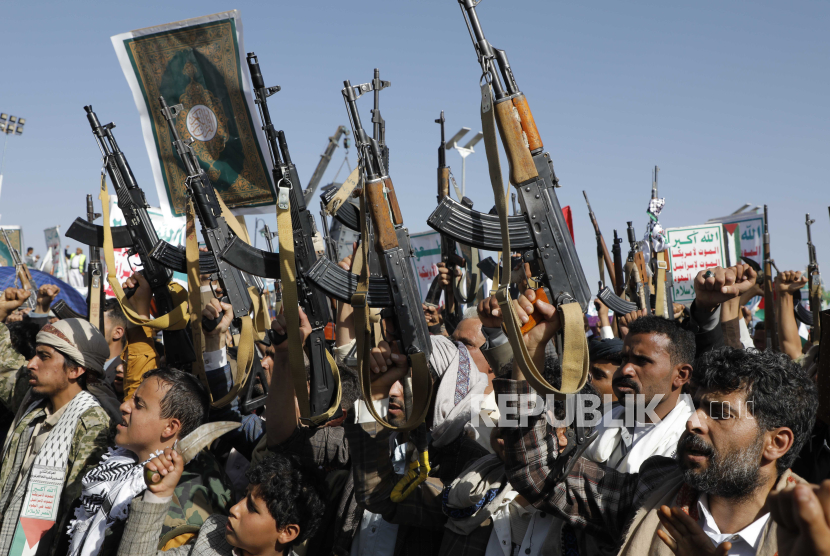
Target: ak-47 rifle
[
  {"x": 138, "y": 234},
  {"x": 814, "y": 277},
  {"x": 616, "y": 251},
  {"x": 602, "y": 250},
  {"x": 770, "y": 325},
  {"x": 22, "y": 273},
  {"x": 540, "y": 234},
  {"x": 312, "y": 300},
  {"x": 95, "y": 273},
  {"x": 633, "y": 288}
]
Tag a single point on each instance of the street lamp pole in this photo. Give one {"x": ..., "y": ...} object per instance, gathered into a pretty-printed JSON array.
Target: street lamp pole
[
  {"x": 9, "y": 125},
  {"x": 464, "y": 151}
]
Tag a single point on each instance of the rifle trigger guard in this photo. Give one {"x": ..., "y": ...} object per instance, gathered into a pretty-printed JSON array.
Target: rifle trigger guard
[{"x": 282, "y": 196}]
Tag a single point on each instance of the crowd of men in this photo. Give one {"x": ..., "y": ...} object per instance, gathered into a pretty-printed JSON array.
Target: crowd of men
[{"x": 711, "y": 444}]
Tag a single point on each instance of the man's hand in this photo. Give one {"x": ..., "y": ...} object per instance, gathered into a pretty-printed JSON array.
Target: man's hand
[
  {"x": 346, "y": 262},
  {"x": 162, "y": 473},
  {"x": 789, "y": 281},
  {"x": 444, "y": 277},
  {"x": 432, "y": 314},
  {"x": 143, "y": 294},
  {"x": 602, "y": 309},
  {"x": 718, "y": 285},
  {"x": 546, "y": 315},
  {"x": 687, "y": 538},
  {"x": 11, "y": 300},
  {"x": 803, "y": 518},
  {"x": 388, "y": 366},
  {"x": 45, "y": 296},
  {"x": 626, "y": 320},
  {"x": 280, "y": 326},
  {"x": 215, "y": 339}
]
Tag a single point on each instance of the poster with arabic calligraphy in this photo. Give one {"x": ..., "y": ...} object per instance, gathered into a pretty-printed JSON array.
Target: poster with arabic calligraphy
[
  {"x": 744, "y": 237},
  {"x": 200, "y": 64},
  {"x": 692, "y": 249}
]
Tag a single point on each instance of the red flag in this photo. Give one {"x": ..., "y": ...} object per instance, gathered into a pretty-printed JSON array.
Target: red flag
[{"x": 569, "y": 220}]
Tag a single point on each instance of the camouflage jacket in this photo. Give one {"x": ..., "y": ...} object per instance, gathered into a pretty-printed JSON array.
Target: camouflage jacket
[
  {"x": 203, "y": 490},
  {"x": 13, "y": 375},
  {"x": 89, "y": 442}
]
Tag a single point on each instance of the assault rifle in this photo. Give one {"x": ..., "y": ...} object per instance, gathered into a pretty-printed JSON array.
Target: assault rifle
[
  {"x": 634, "y": 287},
  {"x": 616, "y": 251},
  {"x": 325, "y": 158},
  {"x": 138, "y": 234},
  {"x": 814, "y": 277},
  {"x": 22, "y": 273},
  {"x": 602, "y": 250},
  {"x": 215, "y": 230},
  {"x": 770, "y": 326},
  {"x": 95, "y": 273},
  {"x": 540, "y": 234},
  {"x": 311, "y": 299}
]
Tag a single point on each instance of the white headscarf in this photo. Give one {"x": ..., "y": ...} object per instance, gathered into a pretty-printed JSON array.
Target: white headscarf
[{"x": 78, "y": 340}]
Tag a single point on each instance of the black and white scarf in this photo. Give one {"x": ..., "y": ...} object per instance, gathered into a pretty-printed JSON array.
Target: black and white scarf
[{"x": 107, "y": 492}]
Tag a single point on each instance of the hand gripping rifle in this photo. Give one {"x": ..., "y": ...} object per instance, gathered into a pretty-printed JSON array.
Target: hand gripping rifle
[
  {"x": 770, "y": 326},
  {"x": 814, "y": 277},
  {"x": 296, "y": 231},
  {"x": 22, "y": 273},
  {"x": 391, "y": 240},
  {"x": 540, "y": 234},
  {"x": 138, "y": 234}
]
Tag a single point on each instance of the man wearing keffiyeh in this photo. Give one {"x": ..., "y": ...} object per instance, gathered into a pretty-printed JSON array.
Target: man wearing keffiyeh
[{"x": 59, "y": 432}]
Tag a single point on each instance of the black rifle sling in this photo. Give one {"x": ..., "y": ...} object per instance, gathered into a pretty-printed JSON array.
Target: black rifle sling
[{"x": 575, "y": 344}]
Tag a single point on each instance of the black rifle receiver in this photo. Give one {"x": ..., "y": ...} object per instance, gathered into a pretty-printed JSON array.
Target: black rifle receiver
[
  {"x": 215, "y": 230},
  {"x": 95, "y": 271},
  {"x": 142, "y": 236},
  {"x": 814, "y": 285},
  {"x": 312, "y": 300}
]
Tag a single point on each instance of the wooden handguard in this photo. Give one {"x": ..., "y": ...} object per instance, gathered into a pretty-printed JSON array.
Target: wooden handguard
[
  {"x": 397, "y": 217},
  {"x": 443, "y": 182},
  {"x": 528, "y": 326},
  {"x": 528, "y": 125},
  {"x": 521, "y": 163},
  {"x": 379, "y": 209}
]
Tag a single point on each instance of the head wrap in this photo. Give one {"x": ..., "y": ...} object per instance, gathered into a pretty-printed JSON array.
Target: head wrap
[
  {"x": 454, "y": 397},
  {"x": 604, "y": 349},
  {"x": 78, "y": 340}
]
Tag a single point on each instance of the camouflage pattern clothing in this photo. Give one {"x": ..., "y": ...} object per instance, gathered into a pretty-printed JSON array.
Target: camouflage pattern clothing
[
  {"x": 203, "y": 490},
  {"x": 89, "y": 442}
]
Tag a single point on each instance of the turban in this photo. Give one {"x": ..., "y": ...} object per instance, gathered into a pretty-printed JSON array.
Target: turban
[
  {"x": 605, "y": 349},
  {"x": 78, "y": 340}
]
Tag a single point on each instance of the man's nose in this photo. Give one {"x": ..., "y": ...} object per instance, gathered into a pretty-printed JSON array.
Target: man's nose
[
  {"x": 125, "y": 407},
  {"x": 32, "y": 365},
  {"x": 697, "y": 422}
]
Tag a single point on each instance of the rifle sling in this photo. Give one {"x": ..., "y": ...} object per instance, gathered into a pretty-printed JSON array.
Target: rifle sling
[
  {"x": 175, "y": 319},
  {"x": 660, "y": 307},
  {"x": 95, "y": 296},
  {"x": 421, "y": 378},
  {"x": 290, "y": 304},
  {"x": 344, "y": 192},
  {"x": 575, "y": 345}
]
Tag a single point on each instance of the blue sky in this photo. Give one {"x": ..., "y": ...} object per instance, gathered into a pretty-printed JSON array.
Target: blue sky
[{"x": 729, "y": 99}]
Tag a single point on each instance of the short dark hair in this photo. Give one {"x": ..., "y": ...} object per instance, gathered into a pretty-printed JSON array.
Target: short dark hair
[
  {"x": 69, "y": 365},
  {"x": 681, "y": 342},
  {"x": 186, "y": 400},
  {"x": 291, "y": 492},
  {"x": 782, "y": 393},
  {"x": 114, "y": 312},
  {"x": 23, "y": 336}
]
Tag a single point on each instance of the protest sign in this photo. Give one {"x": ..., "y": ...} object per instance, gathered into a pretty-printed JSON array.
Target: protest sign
[
  {"x": 199, "y": 63},
  {"x": 15, "y": 235},
  {"x": 426, "y": 247},
  {"x": 692, "y": 249},
  {"x": 743, "y": 237},
  {"x": 53, "y": 247}
]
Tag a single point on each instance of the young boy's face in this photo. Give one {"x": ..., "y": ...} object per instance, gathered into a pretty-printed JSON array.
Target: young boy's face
[{"x": 251, "y": 527}]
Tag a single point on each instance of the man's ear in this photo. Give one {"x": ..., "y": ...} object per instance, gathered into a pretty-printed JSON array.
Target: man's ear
[
  {"x": 118, "y": 333},
  {"x": 172, "y": 429},
  {"x": 682, "y": 375},
  {"x": 778, "y": 442},
  {"x": 288, "y": 533},
  {"x": 75, "y": 374}
]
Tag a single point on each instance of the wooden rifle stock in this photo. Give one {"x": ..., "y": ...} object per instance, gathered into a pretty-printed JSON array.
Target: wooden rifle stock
[
  {"x": 522, "y": 167},
  {"x": 443, "y": 183},
  {"x": 385, "y": 236},
  {"x": 397, "y": 217},
  {"x": 534, "y": 142}
]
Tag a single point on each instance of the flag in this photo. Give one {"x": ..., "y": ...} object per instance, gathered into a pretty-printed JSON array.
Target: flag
[{"x": 199, "y": 63}]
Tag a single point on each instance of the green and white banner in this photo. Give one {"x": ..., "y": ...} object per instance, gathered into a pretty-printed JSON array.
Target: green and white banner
[{"x": 199, "y": 63}]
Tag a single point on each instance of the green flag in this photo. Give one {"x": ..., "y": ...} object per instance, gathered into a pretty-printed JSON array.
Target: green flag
[{"x": 199, "y": 63}]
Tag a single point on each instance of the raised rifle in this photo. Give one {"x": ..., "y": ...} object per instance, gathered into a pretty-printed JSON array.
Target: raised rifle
[
  {"x": 616, "y": 251},
  {"x": 602, "y": 250},
  {"x": 814, "y": 277},
  {"x": 540, "y": 234},
  {"x": 95, "y": 273},
  {"x": 138, "y": 234},
  {"x": 770, "y": 326},
  {"x": 323, "y": 386},
  {"x": 22, "y": 273},
  {"x": 633, "y": 287}
]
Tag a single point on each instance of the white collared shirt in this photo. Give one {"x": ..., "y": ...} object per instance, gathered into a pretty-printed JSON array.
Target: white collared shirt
[
  {"x": 744, "y": 542},
  {"x": 501, "y": 542}
]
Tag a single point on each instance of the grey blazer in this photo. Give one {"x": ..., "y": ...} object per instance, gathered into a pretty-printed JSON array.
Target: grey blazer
[{"x": 143, "y": 530}]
